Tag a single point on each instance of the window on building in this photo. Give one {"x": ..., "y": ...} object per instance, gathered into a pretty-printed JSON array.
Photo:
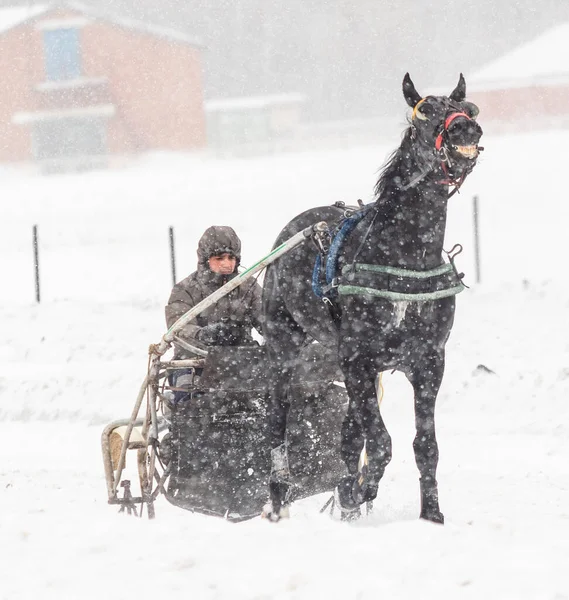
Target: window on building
[
  {"x": 62, "y": 54},
  {"x": 69, "y": 138}
]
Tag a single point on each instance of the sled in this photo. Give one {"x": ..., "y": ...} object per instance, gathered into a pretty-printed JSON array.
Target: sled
[{"x": 207, "y": 449}]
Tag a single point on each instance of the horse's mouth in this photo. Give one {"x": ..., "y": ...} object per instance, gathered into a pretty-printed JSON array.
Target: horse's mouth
[{"x": 470, "y": 152}]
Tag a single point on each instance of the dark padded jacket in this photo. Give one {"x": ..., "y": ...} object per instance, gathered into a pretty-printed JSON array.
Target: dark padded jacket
[{"x": 242, "y": 305}]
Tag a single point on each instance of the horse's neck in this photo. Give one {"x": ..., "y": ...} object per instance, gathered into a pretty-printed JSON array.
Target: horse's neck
[{"x": 409, "y": 228}]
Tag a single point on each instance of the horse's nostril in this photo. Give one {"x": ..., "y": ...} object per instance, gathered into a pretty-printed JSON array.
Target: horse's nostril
[{"x": 475, "y": 131}]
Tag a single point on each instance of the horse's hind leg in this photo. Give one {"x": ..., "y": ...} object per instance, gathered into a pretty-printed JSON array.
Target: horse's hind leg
[
  {"x": 426, "y": 380},
  {"x": 284, "y": 340},
  {"x": 363, "y": 422}
]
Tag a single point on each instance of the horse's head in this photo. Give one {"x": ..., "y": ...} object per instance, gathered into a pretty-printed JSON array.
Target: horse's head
[{"x": 445, "y": 126}]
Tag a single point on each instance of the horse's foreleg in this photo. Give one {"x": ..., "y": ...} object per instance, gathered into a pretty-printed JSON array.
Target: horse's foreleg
[
  {"x": 363, "y": 423},
  {"x": 426, "y": 381}
]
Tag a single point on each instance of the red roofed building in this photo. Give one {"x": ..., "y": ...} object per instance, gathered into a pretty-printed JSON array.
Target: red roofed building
[
  {"x": 81, "y": 86},
  {"x": 527, "y": 88}
]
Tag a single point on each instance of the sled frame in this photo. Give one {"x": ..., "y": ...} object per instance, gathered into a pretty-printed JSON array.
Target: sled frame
[{"x": 152, "y": 474}]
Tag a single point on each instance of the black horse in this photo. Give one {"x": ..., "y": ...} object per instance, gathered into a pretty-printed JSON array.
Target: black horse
[{"x": 390, "y": 305}]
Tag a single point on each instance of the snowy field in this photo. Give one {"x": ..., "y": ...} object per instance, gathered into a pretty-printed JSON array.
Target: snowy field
[{"x": 75, "y": 362}]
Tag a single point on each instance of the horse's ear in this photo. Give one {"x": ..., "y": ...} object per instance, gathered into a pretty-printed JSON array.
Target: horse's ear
[
  {"x": 412, "y": 96},
  {"x": 459, "y": 92}
]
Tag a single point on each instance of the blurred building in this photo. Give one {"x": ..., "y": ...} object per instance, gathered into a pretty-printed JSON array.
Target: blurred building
[
  {"x": 526, "y": 88},
  {"x": 255, "y": 124},
  {"x": 80, "y": 87}
]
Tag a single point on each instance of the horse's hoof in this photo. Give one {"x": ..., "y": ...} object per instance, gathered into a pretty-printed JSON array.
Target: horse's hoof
[
  {"x": 273, "y": 514},
  {"x": 353, "y": 491},
  {"x": 351, "y": 516},
  {"x": 347, "y": 511},
  {"x": 434, "y": 516}
]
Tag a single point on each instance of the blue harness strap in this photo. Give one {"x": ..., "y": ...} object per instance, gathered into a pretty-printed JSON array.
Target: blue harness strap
[
  {"x": 344, "y": 229},
  {"x": 316, "y": 282}
]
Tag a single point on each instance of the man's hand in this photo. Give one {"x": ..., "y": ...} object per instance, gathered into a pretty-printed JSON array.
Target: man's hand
[{"x": 221, "y": 333}]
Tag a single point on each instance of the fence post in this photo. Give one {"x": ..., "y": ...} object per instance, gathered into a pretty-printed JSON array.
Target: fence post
[
  {"x": 36, "y": 262},
  {"x": 475, "y": 216},
  {"x": 172, "y": 254}
]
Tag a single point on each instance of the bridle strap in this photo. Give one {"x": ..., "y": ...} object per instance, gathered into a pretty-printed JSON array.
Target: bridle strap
[
  {"x": 438, "y": 146},
  {"x": 448, "y": 121}
]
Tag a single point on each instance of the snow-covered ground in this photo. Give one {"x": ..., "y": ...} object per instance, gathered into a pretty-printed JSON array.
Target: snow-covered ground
[{"x": 74, "y": 362}]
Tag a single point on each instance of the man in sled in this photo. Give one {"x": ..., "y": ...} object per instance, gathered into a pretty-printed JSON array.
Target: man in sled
[{"x": 229, "y": 321}]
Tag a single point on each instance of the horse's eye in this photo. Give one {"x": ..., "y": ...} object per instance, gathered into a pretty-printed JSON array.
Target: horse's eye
[{"x": 471, "y": 109}]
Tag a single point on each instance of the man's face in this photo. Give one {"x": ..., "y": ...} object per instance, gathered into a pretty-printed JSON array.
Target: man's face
[{"x": 224, "y": 264}]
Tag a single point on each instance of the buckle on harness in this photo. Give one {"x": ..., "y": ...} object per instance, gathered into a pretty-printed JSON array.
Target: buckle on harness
[
  {"x": 330, "y": 287},
  {"x": 451, "y": 255},
  {"x": 322, "y": 239}
]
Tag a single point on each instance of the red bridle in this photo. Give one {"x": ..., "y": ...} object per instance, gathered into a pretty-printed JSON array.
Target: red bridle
[
  {"x": 448, "y": 121},
  {"x": 439, "y": 144}
]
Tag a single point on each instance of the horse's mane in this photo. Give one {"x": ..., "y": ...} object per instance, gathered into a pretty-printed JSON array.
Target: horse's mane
[{"x": 392, "y": 170}]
